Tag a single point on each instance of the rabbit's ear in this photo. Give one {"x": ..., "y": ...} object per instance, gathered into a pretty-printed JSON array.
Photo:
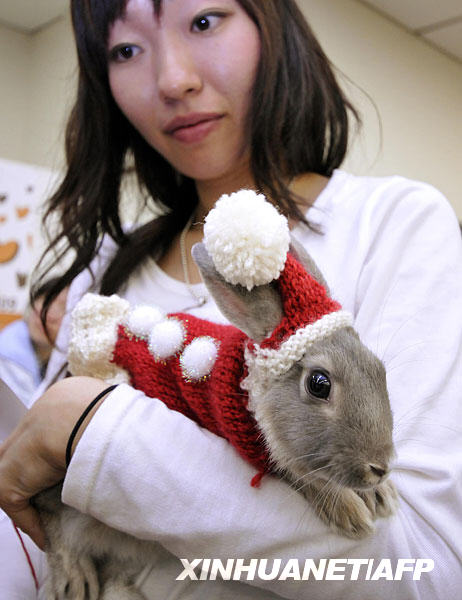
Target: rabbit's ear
[
  {"x": 299, "y": 252},
  {"x": 256, "y": 312}
]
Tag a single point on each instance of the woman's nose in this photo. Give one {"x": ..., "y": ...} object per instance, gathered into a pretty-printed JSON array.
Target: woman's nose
[{"x": 177, "y": 72}]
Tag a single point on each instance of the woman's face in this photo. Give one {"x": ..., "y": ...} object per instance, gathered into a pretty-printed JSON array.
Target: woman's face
[{"x": 184, "y": 79}]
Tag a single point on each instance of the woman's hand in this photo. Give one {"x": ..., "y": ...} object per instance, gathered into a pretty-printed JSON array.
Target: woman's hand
[{"x": 33, "y": 457}]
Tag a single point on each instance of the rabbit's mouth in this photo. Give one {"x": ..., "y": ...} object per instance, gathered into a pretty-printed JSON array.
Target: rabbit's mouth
[
  {"x": 362, "y": 476},
  {"x": 366, "y": 476}
]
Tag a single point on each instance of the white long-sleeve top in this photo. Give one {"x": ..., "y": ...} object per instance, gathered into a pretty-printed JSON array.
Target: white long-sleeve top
[{"x": 391, "y": 253}]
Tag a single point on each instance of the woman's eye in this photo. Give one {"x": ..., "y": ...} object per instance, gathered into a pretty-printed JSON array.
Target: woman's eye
[
  {"x": 124, "y": 52},
  {"x": 318, "y": 384},
  {"x": 205, "y": 22}
]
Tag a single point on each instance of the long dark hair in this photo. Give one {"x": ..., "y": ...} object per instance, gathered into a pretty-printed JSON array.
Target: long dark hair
[{"x": 297, "y": 123}]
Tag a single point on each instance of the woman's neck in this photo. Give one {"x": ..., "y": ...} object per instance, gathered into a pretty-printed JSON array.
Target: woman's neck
[
  {"x": 210, "y": 191},
  {"x": 306, "y": 187}
]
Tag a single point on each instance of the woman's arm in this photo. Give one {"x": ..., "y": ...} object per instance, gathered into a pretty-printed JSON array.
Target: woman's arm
[
  {"x": 186, "y": 488},
  {"x": 151, "y": 472}
]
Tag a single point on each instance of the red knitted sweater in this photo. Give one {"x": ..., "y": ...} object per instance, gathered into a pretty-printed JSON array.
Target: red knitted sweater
[{"x": 216, "y": 402}]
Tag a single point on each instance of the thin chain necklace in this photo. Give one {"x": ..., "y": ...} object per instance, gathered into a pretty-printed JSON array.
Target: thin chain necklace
[{"x": 200, "y": 299}]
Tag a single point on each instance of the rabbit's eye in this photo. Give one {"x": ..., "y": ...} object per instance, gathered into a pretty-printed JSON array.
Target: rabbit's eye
[{"x": 318, "y": 385}]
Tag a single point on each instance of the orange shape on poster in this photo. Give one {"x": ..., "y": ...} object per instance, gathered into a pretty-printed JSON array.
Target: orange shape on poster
[
  {"x": 22, "y": 212},
  {"x": 8, "y": 251}
]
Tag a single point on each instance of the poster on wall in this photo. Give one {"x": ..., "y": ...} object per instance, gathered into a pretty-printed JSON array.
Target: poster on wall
[{"x": 23, "y": 190}]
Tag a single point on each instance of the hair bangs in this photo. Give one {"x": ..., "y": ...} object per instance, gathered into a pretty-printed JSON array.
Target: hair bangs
[{"x": 92, "y": 20}]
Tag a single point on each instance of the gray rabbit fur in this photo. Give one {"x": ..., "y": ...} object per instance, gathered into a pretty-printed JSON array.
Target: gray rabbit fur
[{"x": 336, "y": 452}]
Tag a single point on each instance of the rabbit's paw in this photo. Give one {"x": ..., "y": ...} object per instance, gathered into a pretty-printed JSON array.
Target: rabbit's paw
[
  {"x": 382, "y": 500},
  {"x": 342, "y": 509},
  {"x": 71, "y": 577},
  {"x": 349, "y": 514}
]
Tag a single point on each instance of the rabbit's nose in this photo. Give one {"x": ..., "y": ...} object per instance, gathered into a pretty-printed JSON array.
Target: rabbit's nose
[{"x": 378, "y": 470}]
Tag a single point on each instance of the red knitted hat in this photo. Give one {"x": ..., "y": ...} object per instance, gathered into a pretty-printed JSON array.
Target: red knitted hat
[
  {"x": 255, "y": 251},
  {"x": 304, "y": 301}
]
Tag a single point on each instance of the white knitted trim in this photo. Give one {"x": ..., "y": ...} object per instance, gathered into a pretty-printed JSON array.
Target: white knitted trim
[
  {"x": 93, "y": 337},
  {"x": 267, "y": 362}
]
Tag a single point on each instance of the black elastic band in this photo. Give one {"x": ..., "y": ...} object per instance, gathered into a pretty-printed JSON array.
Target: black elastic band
[{"x": 82, "y": 419}]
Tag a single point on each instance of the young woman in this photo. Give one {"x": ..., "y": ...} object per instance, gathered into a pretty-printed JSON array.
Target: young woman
[{"x": 204, "y": 98}]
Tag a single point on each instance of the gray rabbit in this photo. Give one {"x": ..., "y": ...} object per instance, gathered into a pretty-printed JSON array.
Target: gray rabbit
[
  {"x": 334, "y": 444},
  {"x": 324, "y": 415}
]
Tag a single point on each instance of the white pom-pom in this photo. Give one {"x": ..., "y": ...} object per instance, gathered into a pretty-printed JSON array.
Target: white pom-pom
[
  {"x": 247, "y": 239},
  {"x": 142, "y": 319},
  {"x": 166, "y": 339},
  {"x": 198, "y": 358}
]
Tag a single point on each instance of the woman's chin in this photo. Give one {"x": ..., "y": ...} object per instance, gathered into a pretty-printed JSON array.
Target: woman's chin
[
  {"x": 208, "y": 173},
  {"x": 212, "y": 169}
]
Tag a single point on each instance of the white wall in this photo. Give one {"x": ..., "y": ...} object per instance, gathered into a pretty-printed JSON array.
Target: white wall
[
  {"x": 14, "y": 73},
  {"x": 37, "y": 79},
  {"x": 417, "y": 90},
  {"x": 53, "y": 76}
]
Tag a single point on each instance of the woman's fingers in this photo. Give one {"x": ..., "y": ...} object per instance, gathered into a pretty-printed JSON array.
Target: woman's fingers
[
  {"x": 28, "y": 521},
  {"x": 15, "y": 503},
  {"x": 21, "y": 477},
  {"x": 32, "y": 458}
]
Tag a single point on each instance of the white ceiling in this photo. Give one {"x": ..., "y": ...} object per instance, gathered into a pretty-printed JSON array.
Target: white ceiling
[{"x": 437, "y": 21}]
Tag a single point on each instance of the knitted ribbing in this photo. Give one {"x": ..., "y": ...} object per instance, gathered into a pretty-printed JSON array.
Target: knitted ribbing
[{"x": 304, "y": 301}]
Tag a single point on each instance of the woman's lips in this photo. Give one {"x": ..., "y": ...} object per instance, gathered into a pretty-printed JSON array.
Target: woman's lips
[{"x": 193, "y": 128}]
